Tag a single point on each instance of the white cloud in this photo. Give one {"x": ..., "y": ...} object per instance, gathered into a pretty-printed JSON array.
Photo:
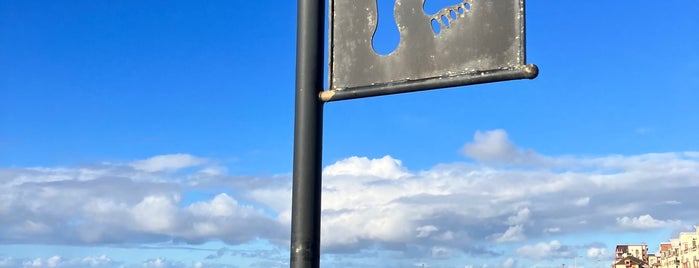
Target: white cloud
[
  {"x": 53, "y": 261},
  {"x": 443, "y": 252},
  {"x": 386, "y": 167},
  {"x": 59, "y": 261},
  {"x": 495, "y": 147},
  {"x": 161, "y": 263},
  {"x": 110, "y": 208},
  {"x": 513, "y": 234},
  {"x": 383, "y": 223},
  {"x": 491, "y": 146},
  {"x": 213, "y": 170},
  {"x": 30, "y": 227},
  {"x": 451, "y": 208},
  {"x": 594, "y": 253},
  {"x": 645, "y": 222},
  {"x": 38, "y": 262},
  {"x": 582, "y": 201},
  {"x": 276, "y": 199},
  {"x": 155, "y": 214},
  {"x": 509, "y": 263},
  {"x": 8, "y": 262},
  {"x": 521, "y": 217},
  {"x": 552, "y": 230},
  {"x": 425, "y": 231},
  {"x": 553, "y": 249},
  {"x": 382, "y": 202},
  {"x": 221, "y": 206},
  {"x": 169, "y": 162}
]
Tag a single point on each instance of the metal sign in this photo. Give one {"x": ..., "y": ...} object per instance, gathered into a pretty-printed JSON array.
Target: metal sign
[{"x": 476, "y": 41}]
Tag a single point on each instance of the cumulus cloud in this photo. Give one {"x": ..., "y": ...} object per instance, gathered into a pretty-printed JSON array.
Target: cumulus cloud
[
  {"x": 513, "y": 234},
  {"x": 425, "y": 231},
  {"x": 59, "y": 261},
  {"x": 155, "y": 214},
  {"x": 165, "y": 263},
  {"x": 495, "y": 147},
  {"x": 442, "y": 211},
  {"x": 552, "y": 230},
  {"x": 582, "y": 201},
  {"x": 509, "y": 263},
  {"x": 492, "y": 145},
  {"x": 111, "y": 208},
  {"x": 386, "y": 167},
  {"x": 552, "y": 249},
  {"x": 443, "y": 252},
  {"x": 595, "y": 253},
  {"x": 521, "y": 217},
  {"x": 169, "y": 162},
  {"x": 645, "y": 222}
]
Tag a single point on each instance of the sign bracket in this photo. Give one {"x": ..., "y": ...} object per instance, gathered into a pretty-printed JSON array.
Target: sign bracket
[{"x": 529, "y": 71}]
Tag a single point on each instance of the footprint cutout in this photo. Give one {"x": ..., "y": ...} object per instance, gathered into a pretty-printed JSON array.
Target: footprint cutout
[
  {"x": 435, "y": 6},
  {"x": 445, "y": 17},
  {"x": 387, "y": 37}
]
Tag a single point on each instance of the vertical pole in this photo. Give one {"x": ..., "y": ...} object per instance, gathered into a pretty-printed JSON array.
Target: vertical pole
[{"x": 308, "y": 135}]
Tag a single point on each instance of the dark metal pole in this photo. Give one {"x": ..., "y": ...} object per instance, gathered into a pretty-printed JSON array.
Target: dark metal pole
[{"x": 308, "y": 135}]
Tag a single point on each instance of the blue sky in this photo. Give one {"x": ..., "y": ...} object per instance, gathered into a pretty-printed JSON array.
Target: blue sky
[{"x": 159, "y": 134}]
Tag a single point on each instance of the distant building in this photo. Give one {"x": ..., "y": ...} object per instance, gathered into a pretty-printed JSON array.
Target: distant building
[
  {"x": 630, "y": 262},
  {"x": 638, "y": 251},
  {"x": 689, "y": 255},
  {"x": 680, "y": 252},
  {"x": 654, "y": 261}
]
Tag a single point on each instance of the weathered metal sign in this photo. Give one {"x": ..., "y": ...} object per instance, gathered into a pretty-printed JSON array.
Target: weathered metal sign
[{"x": 476, "y": 41}]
